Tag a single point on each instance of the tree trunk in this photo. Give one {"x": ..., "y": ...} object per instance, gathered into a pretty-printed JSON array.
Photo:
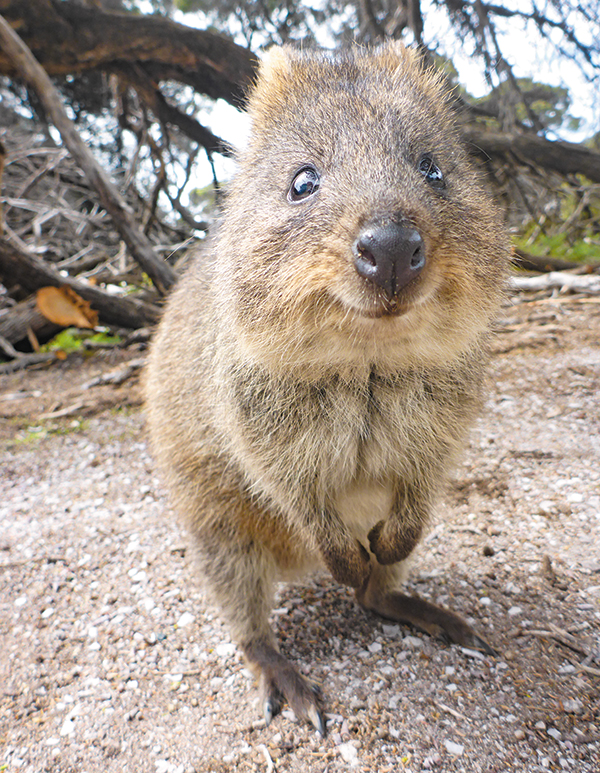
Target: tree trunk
[
  {"x": 162, "y": 275},
  {"x": 18, "y": 320},
  {"x": 68, "y": 37},
  {"x": 562, "y": 157},
  {"x": 31, "y": 273}
]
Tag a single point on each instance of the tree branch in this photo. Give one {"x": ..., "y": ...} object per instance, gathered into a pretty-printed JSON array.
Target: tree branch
[
  {"x": 169, "y": 114},
  {"x": 68, "y": 37},
  {"x": 29, "y": 70},
  {"x": 31, "y": 273},
  {"x": 562, "y": 157}
]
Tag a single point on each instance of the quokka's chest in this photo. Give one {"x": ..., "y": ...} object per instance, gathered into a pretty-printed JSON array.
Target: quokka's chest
[{"x": 338, "y": 431}]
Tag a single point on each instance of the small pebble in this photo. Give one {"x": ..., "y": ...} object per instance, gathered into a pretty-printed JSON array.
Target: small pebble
[
  {"x": 567, "y": 669},
  {"x": 573, "y": 706},
  {"x": 68, "y": 727},
  {"x": 348, "y": 751},
  {"x": 225, "y": 650},
  {"x": 454, "y": 748},
  {"x": 546, "y": 507},
  {"x": 412, "y": 642},
  {"x": 475, "y": 654},
  {"x": 520, "y": 735},
  {"x": 186, "y": 619}
]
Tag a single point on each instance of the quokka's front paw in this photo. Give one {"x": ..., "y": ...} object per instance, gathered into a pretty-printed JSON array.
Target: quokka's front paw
[
  {"x": 349, "y": 563},
  {"x": 392, "y": 541}
]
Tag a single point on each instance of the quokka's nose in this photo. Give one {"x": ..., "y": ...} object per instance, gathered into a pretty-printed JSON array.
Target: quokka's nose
[{"x": 390, "y": 254}]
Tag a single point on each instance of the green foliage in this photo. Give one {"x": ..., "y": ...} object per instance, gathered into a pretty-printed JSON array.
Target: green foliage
[
  {"x": 559, "y": 245},
  {"x": 549, "y": 104},
  {"x": 572, "y": 233},
  {"x": 34, "y": 434},
  {"x": 594, "y": 142},
  {"x": 71, "y": 339},
  {"x": 68, "y": 340},
  {"x": 104, "y": 338},
  {"x": 203, "y": 200}
]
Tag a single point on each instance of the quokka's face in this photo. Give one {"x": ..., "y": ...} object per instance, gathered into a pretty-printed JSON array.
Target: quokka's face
[{"x": 356, "y": 205}]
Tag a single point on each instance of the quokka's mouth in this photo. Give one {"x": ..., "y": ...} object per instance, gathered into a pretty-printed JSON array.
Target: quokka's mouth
[
  {"x": 376, "y": 304},
  {"x": 383, "y": 312}
]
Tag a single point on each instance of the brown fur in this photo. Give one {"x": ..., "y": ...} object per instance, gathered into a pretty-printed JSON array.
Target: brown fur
[{"x": 302, "y": 416}]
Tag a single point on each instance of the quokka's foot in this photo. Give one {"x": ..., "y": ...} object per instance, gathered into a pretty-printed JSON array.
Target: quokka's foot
[
  {"x": 436, "y": 621},
  {"x": 280, "y": 682}
]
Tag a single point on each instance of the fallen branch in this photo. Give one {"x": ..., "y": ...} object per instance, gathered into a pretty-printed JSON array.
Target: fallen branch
[
  {"x": 25, "y": 360},
  {"x": 118, "y": 376},
  {"x": 24, "y": 63},
  {"x": 17, "y": 321},
  {"x": 584, "y": 669},
  {"x": 62, "y": 412},
  {"x": 560, "y": 280},
  {"x": 529, "y": 262},
  {"x": 8, "y": 348},
  {"x": 562, "y": 637},
  {"x": 31, "y": 273}
]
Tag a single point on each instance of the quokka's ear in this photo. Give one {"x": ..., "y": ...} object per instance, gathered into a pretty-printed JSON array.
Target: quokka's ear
[
  {"x": 272, "y": 82},
  {"x": 276, "y": 64}
]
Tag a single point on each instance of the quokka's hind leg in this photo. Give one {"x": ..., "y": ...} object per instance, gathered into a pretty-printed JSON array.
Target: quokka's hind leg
[
  {"x": 240, "y": 574},
  {"x": 380, "y": 595}
]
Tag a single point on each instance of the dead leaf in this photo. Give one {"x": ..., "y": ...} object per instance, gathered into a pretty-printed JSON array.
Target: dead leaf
[{"x": 63, "y": 306}]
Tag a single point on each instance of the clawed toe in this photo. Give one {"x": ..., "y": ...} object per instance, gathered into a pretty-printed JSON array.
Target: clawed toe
[
  {"x": 280, "y": 682},
  {"x": 315, "y": 715},
  {"x": 302, "y": 696},
  {"x": 436, "y": 621},
  {"x": 457, "y": 631},
  {"x": 477, "y": 643},
  {"x": 272, "y": 705}
]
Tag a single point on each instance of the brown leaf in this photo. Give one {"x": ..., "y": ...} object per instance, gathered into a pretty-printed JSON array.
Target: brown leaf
[{"x": 63, "y": 306}]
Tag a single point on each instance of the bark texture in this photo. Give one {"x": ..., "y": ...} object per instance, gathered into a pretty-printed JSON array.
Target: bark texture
[
  {"x": 66, "y": 37},
  {"x": 31, "y": 273}
]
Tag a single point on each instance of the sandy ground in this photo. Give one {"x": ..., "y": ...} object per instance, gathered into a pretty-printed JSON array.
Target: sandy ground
[{"x": 111, "y": 660}]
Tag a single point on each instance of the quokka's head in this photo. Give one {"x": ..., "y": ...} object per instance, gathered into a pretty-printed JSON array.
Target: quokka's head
[{"x": 356, "y": 225}]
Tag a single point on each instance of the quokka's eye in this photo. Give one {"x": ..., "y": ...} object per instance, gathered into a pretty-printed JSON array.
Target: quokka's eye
[
  {"x": 431, "y": 172},
  {"x": 305, "y": 184}
]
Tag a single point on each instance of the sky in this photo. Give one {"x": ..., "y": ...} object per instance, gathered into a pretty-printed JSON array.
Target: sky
[{"x": 525, "y": 51}]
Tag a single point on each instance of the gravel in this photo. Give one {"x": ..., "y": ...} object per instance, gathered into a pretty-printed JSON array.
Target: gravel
[{"x": 111, "y": 659}]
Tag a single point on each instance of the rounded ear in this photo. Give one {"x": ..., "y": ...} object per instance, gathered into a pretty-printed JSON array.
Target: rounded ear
[
  {"x": 276, "y": 64},
  {"x": 272, "y": 86}
]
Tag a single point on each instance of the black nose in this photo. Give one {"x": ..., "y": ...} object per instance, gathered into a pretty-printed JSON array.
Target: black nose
[{"x": 390, "y": 254}]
